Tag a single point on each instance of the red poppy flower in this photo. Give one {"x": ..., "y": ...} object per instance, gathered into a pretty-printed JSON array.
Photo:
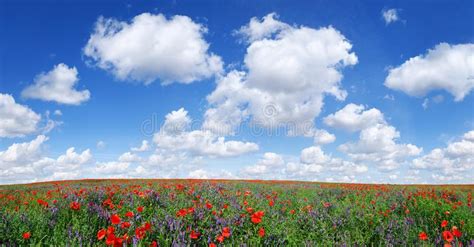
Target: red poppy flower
[
  {"x": 147, "y": 226},
  {"x": 220, "y": 238},
  {"x": 125, "y": 225},
  {"x": 423, "y": 236},
  {"x": 129, "y": 214},
  {"x": 194, "y": 235},
  {"x": 271, "y": 203},
  {"x": 326, "y": 204},
  {"x": 101, "y": 234},
  {"x": 115, "y": 219},
  {"x": 26, "y": 235},
  {"x": 154, "y": 244},
  {"x": 110, "y": 229},
  {"x": 182, "y": 213},
  {"x": 212, "y": 244},
  {"x": 208, "y": 205},
  {"x": 455, "y": 231},
  {"x": 75, "y": 206},
  {"x": 226, "y": 232},
  {"x": 448, "y": 236},
  {"x": 110, "y": 240},
  {"x": 261, "y": 232},
  {"x": 257, "y": 217},
  {"x": 140, "y": 209},
  {"x": 444, "y": 223},
  {"x": 140, "y": 233}
]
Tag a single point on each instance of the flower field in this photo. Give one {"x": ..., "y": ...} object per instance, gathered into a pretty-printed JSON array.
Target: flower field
[{"x": 219, "y": 212}]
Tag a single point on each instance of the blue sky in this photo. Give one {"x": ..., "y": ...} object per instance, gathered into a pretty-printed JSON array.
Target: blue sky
[{"x": 417, "y": 115}]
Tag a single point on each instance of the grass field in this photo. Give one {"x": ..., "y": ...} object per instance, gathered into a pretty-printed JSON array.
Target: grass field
[{"x": 219, "y": 212}]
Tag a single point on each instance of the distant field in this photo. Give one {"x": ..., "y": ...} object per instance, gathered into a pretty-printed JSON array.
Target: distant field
[{"x": 223, "y": 212}]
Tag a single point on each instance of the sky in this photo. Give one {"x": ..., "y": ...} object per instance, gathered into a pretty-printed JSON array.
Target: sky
[{"x": 331, "y": 91}]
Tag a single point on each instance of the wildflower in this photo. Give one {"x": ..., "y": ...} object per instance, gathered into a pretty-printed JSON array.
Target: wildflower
[
  {"x": 129, "y": 214},
  {"x": 208, "y": 205},
  {"x": 226, "y": 232},
  {"x": 271, "y": 203},
  {"x": 257, "y": 217},
  {"x": 326, "y": 204},
  {"x": 423, "y": 236},
  {"x": 140, "y": 209},
  {"x": 110, "y": 240},
  {"x": 181, "y": 212},
  {"x": 75, "y": 206},
  {"x": 140, "y": 233},
  {"x": 26, "y": 235},
  {"x": 444, "y": 223},
  {"x": 456, "y": 232},
  {"x": 220, "y": 238},
  {"x": 125, "y": 225},
  {"x": 101, "y": 234},
  {"x": 194, "y": 235},
  {"x": 115, "y": 219},
  {"x": 448, "y": 236},
  {"x": 261, "y": 232},
  {"x": 212, "y": 244}
]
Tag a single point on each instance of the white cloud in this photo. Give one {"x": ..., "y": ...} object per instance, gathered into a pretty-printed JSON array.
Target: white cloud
[
  {"x": 57, "y": 85},
  {"x": 268, "y": 164},
  {"x": 16, "y": 120},
  {"x": 175, "y": 136},
  {"x": 354, "y": 118},
  {"x": 129, "y": 157},
  {"x": 25, "y": 162},
  {"x": 286, "y": 78},
  {"x": 313, "y": 164},
  {"x": 144, "y": 147},
  {"x": 377, "y": 142},
  {"x": 105, "y": 169},
  {"x": 446, "y": 67},
  {"x": 153, "y": 47},
  {"x": 390, "y": 15},
  {"x": 58, "y": 113},
  {"x": 264, "y": 28},
  {"x": 457, "y": 157},
  {"x": 322, "y": 137}
]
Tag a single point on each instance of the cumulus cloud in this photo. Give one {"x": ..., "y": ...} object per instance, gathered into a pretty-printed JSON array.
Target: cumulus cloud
[
  {"x": 390, "y": 16},
  {"x": 16, "y": 120},
  {"x": 354, "y": 118},
  {"x": 153, "y": 47},
  {"x": 264, "y": 28},
  {"x": 269, "y": 163},
  {"x": 322, "y": 137},
  {"x": 377, "y": 142},
  {"x": 176, "y": 136},
  {"x": 445, "y": 67},
  {"x": 57, "y": 85},
  {"x": 286, "y": 77},
  {"x": 457, "y": 157},
  {"x": 26, "y": 162},
  {"x": 313, "y": 164},
  {"x": 144, "y": 147}
]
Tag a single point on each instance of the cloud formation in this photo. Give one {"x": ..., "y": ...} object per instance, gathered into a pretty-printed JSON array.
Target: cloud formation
[
  {"x": 57, "y": 85},
  {"x": 445, "y": 67},
  {"x": 288, "y": 71},
  {"x": 16, "y": 120},
  {"x": 153, "y": 47}
]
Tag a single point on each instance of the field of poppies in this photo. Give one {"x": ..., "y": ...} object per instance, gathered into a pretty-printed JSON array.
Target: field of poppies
[{"x": 217, "y": 213}]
